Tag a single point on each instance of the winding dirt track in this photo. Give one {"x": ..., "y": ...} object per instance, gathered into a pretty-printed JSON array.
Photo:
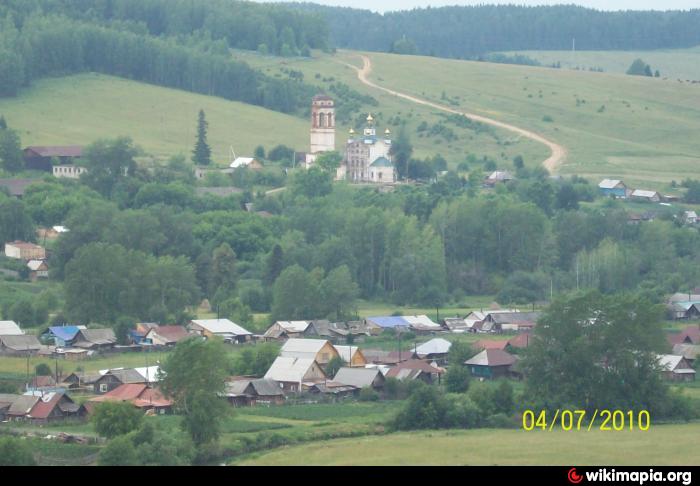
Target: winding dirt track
[{"x": 552, "y": 163}]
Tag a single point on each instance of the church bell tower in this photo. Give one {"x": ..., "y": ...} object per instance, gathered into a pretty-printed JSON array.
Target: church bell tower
[{"x": 322, "y": 124}]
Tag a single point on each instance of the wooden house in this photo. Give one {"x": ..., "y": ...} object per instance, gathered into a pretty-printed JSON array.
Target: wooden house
[
  {"x": 612, "y": 188},
  {"x": 21, "y": 345},
  {"x": 21, "y": 250},
  {"x": 491, "y": 364},
  {"x": 676, "y": 368},
  {"x": 352, "y": 355},
  {"x": 293, "y": 374},
  {"x": 319, "y": 350},
  {"x": 40, "y": 157},
  {"x": 140, "y": 395},
  {"x": 247, "y": 392}
]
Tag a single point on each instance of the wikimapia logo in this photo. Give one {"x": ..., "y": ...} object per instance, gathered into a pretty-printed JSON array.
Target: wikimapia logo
[{"x": 638, "y": 477}]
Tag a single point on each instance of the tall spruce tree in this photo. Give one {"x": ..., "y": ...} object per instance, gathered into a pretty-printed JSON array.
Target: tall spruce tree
[{"x": 202, "y": 152}]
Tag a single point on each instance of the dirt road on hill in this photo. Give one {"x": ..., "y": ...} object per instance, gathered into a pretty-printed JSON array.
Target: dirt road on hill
[{"x": 552, "y": 163}]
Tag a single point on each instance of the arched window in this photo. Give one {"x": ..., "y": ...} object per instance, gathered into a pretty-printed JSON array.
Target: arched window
[
  {"x": 322, "y": 120},
  {"x": 330, "y": 120}
]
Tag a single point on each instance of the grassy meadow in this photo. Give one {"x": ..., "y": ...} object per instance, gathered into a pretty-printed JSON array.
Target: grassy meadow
[
  {"x": 661, "y": 445},
  {"x": 82, "y": 108},
  {"x": 674, "y": 64},
  {"x": 641, "y": 129}
]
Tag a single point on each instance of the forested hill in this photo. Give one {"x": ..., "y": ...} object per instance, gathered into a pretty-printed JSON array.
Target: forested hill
[
  {"x": 463, "y": 32},
  {"x": 175, "y": 43}
]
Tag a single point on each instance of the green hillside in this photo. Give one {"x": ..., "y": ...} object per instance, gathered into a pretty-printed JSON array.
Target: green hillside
[
  {"x": 80, "y": 109},
  {"x": 639, "y": 128},
  {"x": 662, "y": 445},
  {"x": 673, "y": 64}
]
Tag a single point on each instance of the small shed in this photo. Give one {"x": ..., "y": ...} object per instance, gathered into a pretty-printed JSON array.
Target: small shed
[
  {"x": 613, "y": 188},
  {"x": 360, "y": 377}
]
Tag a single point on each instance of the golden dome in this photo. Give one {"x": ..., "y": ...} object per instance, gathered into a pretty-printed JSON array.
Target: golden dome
[
  {"x": 387, "y": 132},
  {"x": 369, "y": 118},
  {"x": 352, "y": 131}
]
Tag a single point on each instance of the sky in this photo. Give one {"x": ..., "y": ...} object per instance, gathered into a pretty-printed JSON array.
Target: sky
[{"x": 388, "y": 5}]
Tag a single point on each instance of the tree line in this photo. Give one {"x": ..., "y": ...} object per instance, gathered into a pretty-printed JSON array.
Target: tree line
[
  {"x": 48, "y": 45},
  {"x": 469, "y": 31},
  {"x": 276, "y": 29}
]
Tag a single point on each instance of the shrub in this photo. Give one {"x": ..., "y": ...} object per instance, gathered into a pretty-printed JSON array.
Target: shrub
[{"x": 368, "y": 394}]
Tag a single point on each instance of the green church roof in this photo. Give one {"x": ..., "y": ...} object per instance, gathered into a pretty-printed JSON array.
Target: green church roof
[{"x": 381, "y": 162}]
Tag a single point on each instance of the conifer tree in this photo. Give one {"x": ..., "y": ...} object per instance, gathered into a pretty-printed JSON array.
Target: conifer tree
[{"x": 202, "y": 152}]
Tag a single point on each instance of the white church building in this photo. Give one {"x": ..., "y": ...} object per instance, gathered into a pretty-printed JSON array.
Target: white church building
[{"x": 367, "y": 157}]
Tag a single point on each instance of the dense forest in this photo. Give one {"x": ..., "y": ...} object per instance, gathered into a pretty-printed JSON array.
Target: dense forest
[
  {"x": 470, "y": 31},
  {"x": 144, "y": 245}
]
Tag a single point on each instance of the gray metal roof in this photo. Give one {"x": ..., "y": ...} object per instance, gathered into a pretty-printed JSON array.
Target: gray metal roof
[
  {"x": 359, "y": 377},
  {"x": 26, "y": 342}
]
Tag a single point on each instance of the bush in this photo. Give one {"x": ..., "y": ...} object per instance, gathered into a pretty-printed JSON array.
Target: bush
[
  {"x": 368, "y": 394},
  {"x": 15, "y": 452},
  {"x": 457, "y": 378},
  {"x": 112, "y": 419}
]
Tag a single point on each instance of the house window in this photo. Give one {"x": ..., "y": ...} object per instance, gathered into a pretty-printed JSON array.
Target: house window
[{"x": 103, "y": 388}]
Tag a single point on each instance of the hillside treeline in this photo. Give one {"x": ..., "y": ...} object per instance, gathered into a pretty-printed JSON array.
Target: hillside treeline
[
  {"x": 428, "y": 245},
  {"x": 243, "y": 25},
  {"x": 468, "y": 31},
  {"x": 55, "y": 46}
]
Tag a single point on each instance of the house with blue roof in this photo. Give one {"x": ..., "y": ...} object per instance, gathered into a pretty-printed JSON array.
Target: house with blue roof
[{"x": 62, "y": 336}]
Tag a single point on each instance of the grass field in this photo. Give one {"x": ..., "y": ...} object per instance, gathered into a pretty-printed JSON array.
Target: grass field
[
  {"x": 80, "y": 109},
  {"x": 641, "y": 129},
  {"x": 664, "y": 444},
  {"x": 673, "y": 64}
]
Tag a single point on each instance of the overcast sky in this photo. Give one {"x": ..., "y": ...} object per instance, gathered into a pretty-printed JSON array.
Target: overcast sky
[{"x": 387, "y": 5}]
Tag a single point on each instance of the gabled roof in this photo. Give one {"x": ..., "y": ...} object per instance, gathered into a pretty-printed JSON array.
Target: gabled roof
[
  {"x": 10, "y": 328},
  {"x": 346, "y": 353},
  {"x": 56, "y": 150},
  {"x": 139, "y": 395},
  {"x": 17, "y": 187},
  {"x": 490, "y": 344},
  {"x": 610, "y": 183},
  {"x": 491, "y": 357},
  {"x": 46, "y": 404},
  {"x": 421, "y": 322},
  {"x": 500, "y": 175},
  {"x": 434, "y": 346},
  {"x": 689, "y": 335},
  {"x": 388, "y": 321},
  {"x": 671, "y": 362},
  {"x": 35, "y": 265},
  {"x": 416, "y": 364},
  {"x": 302, "y": 346},
  {"x": 522, "y": 340},
  {"x": 23, "y": 405},
  {"x": 66, "y": 333},
  {"x": 261, "y": 387},
  {"x": 26, "y": 342},
  {"x": 688, "y": 351},
  {"x": 644, "y": 193},
  {"x": 241, "y": 162},
  {"x": 514, "y": 317},
  {"x": 128, "y": 375},
  {"x": 171, "y": 334},
  {"x": 95, "y": 336},
  {"x": 293, "y": 326},
  {"x": 289, "y": 369},
  {"x": 221, "y": 326},
  {"x": 358, "y": 377}
]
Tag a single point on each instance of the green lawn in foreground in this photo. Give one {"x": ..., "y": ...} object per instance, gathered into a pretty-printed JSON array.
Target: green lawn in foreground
[
  {"x": 82, "y": 108},
  {"x": 661, "y": 445}
]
